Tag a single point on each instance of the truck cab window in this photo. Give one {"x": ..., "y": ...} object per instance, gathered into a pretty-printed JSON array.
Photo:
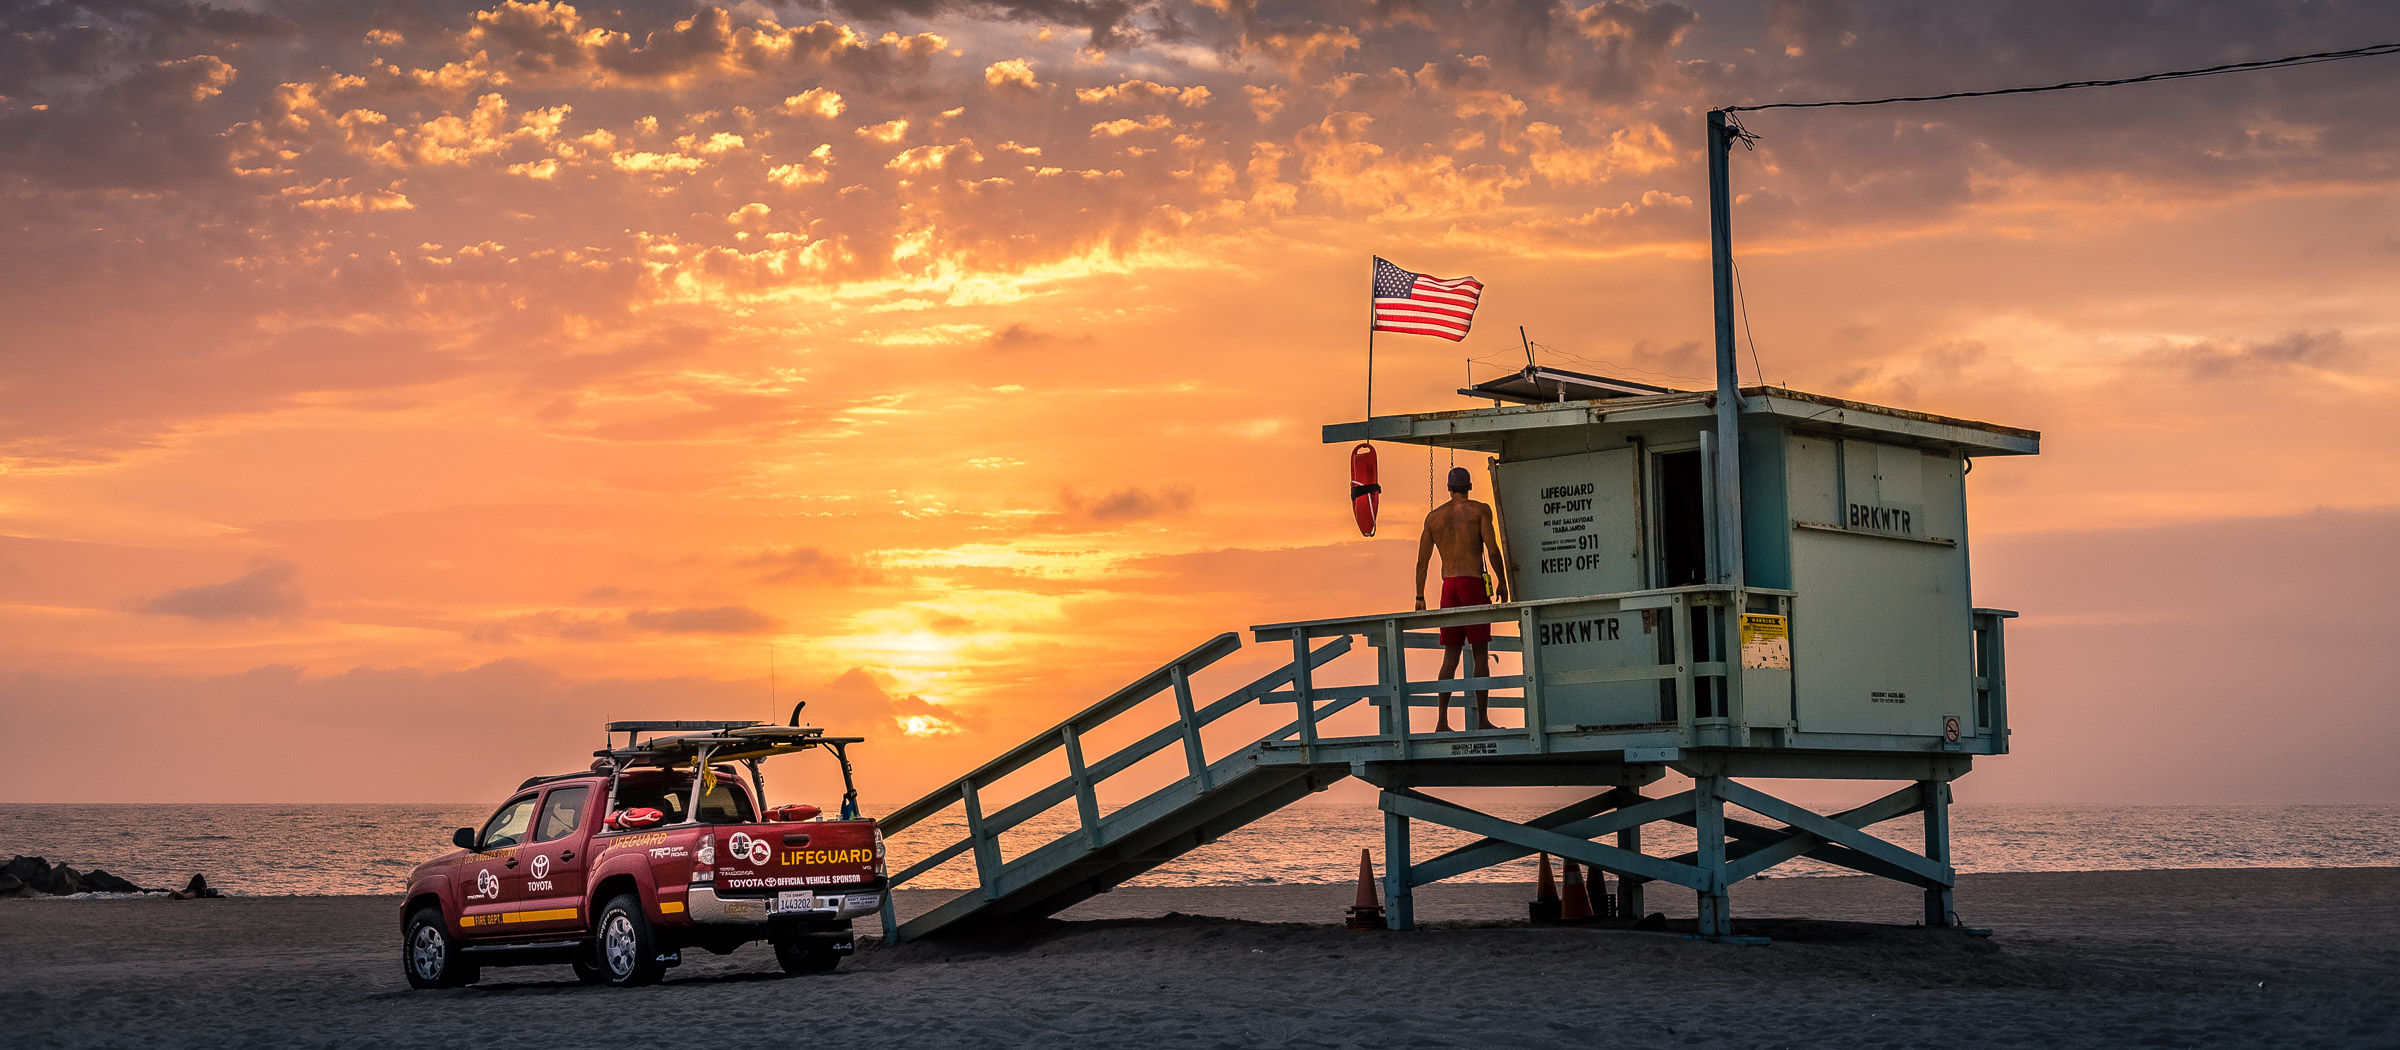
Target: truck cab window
[
  {"x": 726, "y": 805},
  {"x": 507, "y": 827},
  {"x": 666, "y": 794},
  {"x": 562, "y": 812}
]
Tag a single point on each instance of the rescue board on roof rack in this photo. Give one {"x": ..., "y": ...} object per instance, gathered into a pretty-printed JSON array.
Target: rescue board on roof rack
[{"x": 723, "y": 742}]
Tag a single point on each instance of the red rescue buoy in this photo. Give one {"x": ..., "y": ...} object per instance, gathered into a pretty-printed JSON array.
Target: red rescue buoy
[
  {"x": 1366, "y": 495},
  {"x": 635, "y": 818}
]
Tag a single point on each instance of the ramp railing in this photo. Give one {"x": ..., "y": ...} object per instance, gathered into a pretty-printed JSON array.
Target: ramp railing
[{"x": 983, "y": 831}]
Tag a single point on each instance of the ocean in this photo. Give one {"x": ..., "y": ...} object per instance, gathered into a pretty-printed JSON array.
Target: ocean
[{"x": 271, "y": 850}]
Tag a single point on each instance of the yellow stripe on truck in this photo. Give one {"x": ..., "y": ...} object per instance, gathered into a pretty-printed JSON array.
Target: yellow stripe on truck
[
  {"x": 524, "y": 915},
  {"x": 670, "y": 907}
]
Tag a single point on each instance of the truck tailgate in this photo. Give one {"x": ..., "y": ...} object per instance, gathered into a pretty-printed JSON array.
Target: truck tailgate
[{"x": 762, "y": 859}]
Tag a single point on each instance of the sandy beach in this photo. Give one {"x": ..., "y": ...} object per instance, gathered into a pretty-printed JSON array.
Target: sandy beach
[{"x": 2228, "y": 958}]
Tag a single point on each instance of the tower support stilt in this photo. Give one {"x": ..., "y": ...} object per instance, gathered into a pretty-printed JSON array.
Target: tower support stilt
[
  {"x": 1715, "y": 905},
  {"x": 1940, "y": 904},
  {"x": 1399, "y": 904}
]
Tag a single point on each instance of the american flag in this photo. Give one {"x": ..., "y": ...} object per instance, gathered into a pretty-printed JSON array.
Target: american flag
[{"x": 1419, "y": 305}]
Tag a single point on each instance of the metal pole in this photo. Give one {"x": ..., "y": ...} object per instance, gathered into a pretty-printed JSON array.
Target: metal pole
[{"x": 1729, "y": 434}]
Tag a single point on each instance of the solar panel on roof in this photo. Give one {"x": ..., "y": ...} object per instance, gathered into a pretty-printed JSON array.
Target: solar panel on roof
[{"x": 1536, "y": 385}]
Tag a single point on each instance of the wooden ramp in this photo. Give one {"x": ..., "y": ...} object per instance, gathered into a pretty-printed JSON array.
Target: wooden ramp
[
  {"x": 1708, "y": 729},
  {"x": 1100, "y": 852}
]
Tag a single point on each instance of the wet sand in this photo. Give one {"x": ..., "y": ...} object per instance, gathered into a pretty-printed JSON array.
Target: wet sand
[{"x": 2218, "y": 958}]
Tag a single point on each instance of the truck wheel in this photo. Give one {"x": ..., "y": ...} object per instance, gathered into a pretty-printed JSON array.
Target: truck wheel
[
  {"x": 430, "y": 955},
  {"x": 627, "y": 951},
  {"x": 801, "y": 956}
]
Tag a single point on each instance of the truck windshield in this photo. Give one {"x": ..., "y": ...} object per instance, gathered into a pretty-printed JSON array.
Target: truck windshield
[{"x": 507, "y": 827}]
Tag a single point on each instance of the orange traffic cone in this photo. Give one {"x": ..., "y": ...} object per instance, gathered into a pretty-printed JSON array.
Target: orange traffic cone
[
  {"x": 1367, "y": 914},
  {"x": 1575, "y": 904},
  {"x": 1545, "y": 896}
]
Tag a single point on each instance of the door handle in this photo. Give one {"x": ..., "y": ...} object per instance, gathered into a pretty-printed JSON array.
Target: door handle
[
  {"x": 795, "y": 838},
  {"x": 566, "y": 854},
  {"x": 512, "y": 862}
]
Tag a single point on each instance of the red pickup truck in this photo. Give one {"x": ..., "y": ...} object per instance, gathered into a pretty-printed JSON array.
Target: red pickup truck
[{"x": 663, "y": 845}]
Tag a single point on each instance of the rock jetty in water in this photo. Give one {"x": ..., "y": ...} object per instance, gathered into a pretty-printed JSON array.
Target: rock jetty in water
[{"x": 35, "y": 876}]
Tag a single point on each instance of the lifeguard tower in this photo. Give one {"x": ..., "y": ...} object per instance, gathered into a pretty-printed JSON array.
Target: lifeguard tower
[
  {"x": 1792, "y": 601},
  {"x": 1850, "y": 649}
]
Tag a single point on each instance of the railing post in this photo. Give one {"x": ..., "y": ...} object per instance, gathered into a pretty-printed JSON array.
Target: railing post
[
  {"x": 1529, "y": 660},
  {"x": 1999, "y": 685},
  {"x": 1087, "y": 805},
  {"x": 1729, "y": 629},
  {"x": 1687, "y": 687},
  {"x": 1192, "y": 754},
  {"x": 1302, "y": 679},
  {"x": 986, "y": 847},
  {"x": 1395, "y": 677}
]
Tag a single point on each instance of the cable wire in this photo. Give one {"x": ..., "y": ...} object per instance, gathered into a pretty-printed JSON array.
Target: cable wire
[
  {"x": 1744, "y": 299},
  {"x": 2179, "y": 74}
]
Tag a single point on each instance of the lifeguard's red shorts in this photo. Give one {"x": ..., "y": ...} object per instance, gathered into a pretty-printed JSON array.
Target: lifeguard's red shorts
[{"x": 1465, "y": 590}]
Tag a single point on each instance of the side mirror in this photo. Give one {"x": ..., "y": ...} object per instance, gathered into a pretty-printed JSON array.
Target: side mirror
[{"x": 463, "y": 838}]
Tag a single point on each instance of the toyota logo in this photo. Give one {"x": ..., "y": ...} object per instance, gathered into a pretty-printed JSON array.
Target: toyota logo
[{"x": 541, "y": 867}]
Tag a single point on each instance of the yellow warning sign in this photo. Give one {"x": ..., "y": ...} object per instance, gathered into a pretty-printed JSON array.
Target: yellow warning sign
[{"x": 1766, "y": 641}]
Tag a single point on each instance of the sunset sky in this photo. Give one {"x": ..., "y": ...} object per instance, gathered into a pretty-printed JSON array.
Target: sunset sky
[{"x": 391, "y": 393}]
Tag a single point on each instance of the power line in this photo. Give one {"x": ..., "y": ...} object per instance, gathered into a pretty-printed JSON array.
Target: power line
[
  {"x": 1744, "y": 299},
  {"x": 1745, "y": 137},
  {"x": 2179, "y": 74}
]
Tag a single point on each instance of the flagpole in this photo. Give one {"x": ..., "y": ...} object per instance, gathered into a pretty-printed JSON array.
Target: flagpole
[{"x": 1370, "y": 337}]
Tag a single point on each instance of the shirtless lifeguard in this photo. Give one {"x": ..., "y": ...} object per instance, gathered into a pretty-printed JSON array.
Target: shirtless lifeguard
[{"x": 1462, "y": 530}]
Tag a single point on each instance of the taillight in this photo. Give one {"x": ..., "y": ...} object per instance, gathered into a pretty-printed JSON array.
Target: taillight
[{"x": 879, "y": 853}]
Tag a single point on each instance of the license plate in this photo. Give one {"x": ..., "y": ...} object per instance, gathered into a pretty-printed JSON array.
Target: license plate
[{"x": 795, "y": 900}]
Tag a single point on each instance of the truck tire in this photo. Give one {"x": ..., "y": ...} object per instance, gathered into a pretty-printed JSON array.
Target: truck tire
[
  {"x": 428, "y": 953},
  {"x": 626, "y": 950},
  {"x": 805, "y": 956},
  {"x": 587, "y": 971}
]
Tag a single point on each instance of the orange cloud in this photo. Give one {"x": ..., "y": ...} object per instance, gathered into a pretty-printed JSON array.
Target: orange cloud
[
  {"x": 820, "y": 102},
  {"x": 1011, "y": 73},
  {"x": 1144, "y": 92}
]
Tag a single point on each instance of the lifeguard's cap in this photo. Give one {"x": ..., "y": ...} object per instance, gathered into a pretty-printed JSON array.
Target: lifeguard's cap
[{"x": 1460, "y": 480}]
